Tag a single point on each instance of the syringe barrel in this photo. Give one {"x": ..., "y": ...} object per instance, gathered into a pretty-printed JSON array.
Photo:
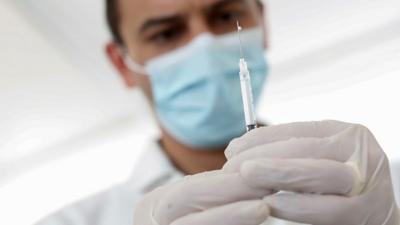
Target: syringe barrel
[{"x": 247, "y": 96}]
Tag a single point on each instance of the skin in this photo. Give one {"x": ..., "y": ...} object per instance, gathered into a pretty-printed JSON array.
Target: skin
[{"x": 154, "y": 27}]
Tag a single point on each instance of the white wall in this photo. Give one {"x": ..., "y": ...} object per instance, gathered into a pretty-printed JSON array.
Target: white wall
[
  {"x": 48, "y": 99},
  {"x": 65, "y": 118},
  {"x": 61, "y": 124}
]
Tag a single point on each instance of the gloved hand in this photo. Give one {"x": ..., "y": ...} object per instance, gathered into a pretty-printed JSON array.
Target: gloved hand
[
  {"x": 330, "y": 173},
  {"x": 204, "y": 199}
]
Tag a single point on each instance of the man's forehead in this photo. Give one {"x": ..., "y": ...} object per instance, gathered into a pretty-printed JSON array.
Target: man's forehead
[
  {"x": 139, "y": 10},
  {"x": 159, "y": 5}
]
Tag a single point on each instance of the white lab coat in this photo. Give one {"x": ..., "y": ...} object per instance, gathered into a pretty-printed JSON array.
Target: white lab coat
[{"x": 116, "y": 205}]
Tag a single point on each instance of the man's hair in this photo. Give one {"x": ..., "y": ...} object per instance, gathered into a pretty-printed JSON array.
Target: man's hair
[{"x": 112, "y": 16}]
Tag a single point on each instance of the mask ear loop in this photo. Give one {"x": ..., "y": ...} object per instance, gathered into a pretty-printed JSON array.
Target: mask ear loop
[{"x": 132, "y": 65}]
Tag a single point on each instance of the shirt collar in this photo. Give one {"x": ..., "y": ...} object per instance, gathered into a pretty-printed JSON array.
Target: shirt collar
[{"x": 153, "y": 169}]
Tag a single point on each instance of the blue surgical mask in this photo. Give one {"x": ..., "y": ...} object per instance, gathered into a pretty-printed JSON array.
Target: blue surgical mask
[{"x": 196, "y": 88}]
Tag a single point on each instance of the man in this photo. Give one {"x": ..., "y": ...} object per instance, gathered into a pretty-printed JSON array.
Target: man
[{"x": 183, "y": 55}]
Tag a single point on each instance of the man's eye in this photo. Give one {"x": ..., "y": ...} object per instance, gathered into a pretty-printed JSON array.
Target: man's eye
[
  {"x": 167, "y": 35},
  {"x": 227, "y": 17}
]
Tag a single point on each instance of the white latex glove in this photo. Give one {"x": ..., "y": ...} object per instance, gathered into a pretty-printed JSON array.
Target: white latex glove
[
  {"x": 330, "y": 173},
  {"x": 204, "y": 199}
]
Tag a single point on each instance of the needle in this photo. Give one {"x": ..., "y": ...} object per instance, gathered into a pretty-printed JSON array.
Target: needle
[{"x": 239, "y": 28}]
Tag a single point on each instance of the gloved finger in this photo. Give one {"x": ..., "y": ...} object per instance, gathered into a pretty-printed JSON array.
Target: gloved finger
[
  {"x": 270, "y": 134},
  {"x": 300, "y": 175},
  {"x": 239, "y": 213},
  {"x": 317, "y": 148},
  {"x": 313, "y": 209},
  {"x": 197, "y": 193},
  {"x": 143, "y": 211}
]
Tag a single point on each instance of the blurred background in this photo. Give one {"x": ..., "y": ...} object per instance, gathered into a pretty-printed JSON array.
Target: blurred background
[{"x": 69, "y": 128}]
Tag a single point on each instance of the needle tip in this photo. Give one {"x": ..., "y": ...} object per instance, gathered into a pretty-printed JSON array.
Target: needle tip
[{"x": 238, "y": 25}]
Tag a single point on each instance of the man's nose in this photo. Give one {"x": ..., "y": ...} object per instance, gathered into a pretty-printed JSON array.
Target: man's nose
[{"x": 198, "y": 25}]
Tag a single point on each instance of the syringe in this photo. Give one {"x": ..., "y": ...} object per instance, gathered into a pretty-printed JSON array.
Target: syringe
[{"x": 245, "y": 84}]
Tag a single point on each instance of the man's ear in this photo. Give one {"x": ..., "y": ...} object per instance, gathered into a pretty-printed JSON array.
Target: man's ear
[{"x": 116, "y": 57}]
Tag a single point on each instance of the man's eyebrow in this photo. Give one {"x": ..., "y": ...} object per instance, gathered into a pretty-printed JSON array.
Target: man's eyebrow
[
  {"x": 159, "y": 21},
  {"x": 221, "y": 3},
  {"x": 152, "y": 22}
]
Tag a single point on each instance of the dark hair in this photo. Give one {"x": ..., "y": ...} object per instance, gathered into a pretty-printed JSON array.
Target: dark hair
[{"x": 112, "y": 16}]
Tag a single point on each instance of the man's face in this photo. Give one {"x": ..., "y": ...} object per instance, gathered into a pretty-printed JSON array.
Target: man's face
[{"x": 153, "y": 27}]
